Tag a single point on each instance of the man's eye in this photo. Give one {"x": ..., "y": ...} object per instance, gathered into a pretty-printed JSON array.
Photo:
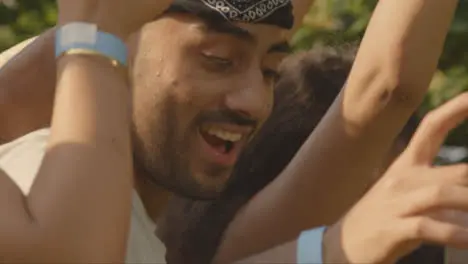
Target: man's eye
[
  {"x": 222, "y": 63},
  {"x": 270, "y": 75}
]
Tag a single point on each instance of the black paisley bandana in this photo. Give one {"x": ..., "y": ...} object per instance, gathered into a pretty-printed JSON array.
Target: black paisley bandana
[{"x": 272, "y": 12}]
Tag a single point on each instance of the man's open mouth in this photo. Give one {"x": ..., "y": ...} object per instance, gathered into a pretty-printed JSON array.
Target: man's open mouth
[{"x": 221, "y": 140}]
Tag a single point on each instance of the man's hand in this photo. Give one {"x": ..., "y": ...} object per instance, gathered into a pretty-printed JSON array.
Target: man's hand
[
  {"x": 414, "y": 202},
  {"x": 119, "y": 17}
]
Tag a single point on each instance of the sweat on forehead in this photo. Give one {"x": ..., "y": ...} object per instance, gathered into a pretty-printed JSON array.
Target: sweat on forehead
[{"x": 272, "y": 12}]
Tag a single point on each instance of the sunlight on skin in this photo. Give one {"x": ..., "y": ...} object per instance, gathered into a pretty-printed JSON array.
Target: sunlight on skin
[{"x": 13, "y": 51}]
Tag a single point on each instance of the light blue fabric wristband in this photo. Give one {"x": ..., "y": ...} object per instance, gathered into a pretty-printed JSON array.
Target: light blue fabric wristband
[
  {"x": 309, "y": 246},
  {"x": 79, "y": 35}
]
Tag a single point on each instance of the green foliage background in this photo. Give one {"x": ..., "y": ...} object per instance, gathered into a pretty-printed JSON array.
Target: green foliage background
[{"x": 329, "y": 22}]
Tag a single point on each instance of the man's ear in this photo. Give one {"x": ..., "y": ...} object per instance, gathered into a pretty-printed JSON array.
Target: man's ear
[
  {"x": 13, "y": 51},
  {"x": 300, "y": 10}
]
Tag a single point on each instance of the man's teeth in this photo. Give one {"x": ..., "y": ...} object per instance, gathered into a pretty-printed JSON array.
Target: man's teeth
[{"x": 225, "y": 135}]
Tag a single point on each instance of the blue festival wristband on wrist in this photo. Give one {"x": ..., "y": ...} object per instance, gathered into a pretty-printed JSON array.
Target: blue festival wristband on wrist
[
  {"x": 85, "y": 36},
  {"x": 309, "y": 246}
]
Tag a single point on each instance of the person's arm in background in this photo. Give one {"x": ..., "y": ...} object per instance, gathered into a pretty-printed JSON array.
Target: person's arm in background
[
  {"x": 27, "y": 75},
  {"x": 390, "y": 77}
]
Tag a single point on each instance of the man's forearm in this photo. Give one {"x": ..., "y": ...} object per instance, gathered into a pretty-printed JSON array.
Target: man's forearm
[
  {"x": 27, "y": 93},
  {"x": 389, "y": 80}
]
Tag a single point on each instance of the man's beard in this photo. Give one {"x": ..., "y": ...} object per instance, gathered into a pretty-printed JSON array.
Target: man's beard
[
  {"x": 173, "y": 177},
  {"x": 164, "y": 161}
]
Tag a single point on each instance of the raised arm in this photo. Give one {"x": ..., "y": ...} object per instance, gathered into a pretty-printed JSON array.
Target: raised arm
[
  {"x": 86, "y": 175},
  {"x": 413, "y": 202},
  {"x": 390, "y": 77}
]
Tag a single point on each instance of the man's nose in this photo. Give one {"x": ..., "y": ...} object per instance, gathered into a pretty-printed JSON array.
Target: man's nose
[{"x": 251, "y": 97}]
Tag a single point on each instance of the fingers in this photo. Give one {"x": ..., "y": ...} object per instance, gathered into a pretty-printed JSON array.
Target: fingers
[
  {"x": 431, "y": 230},
  {"x": 435, "y": 127},
  {"x": 433, "y": 198},
  {"x": 424, "y": 177},
  {"x": 455, "y": 217},
  {"x": 454, "y": 174}
]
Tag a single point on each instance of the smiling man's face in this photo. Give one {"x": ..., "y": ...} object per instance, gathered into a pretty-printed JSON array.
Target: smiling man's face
[{"x": 200, "y": 91}]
